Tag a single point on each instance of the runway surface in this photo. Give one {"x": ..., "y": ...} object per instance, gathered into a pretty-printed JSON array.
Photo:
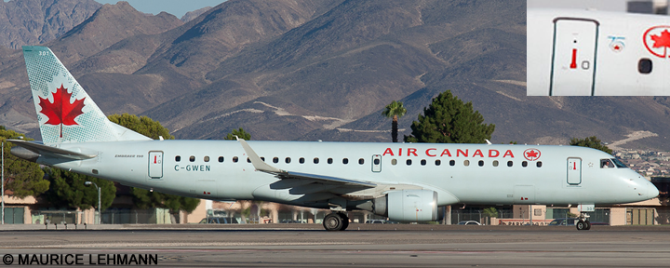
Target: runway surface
[{"x": 362, "y": 245}]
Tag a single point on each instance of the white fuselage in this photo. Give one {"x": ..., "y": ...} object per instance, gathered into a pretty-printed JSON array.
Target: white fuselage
[
  {"x": 595, "y": 53},
  {"x": 567, "y": 175}
]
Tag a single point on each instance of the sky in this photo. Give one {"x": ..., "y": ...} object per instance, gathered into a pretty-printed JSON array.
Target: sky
[{"x": 174, "y": 7}]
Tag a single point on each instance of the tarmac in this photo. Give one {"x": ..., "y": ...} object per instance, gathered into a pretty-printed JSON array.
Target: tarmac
[{"x": 362, "y": 245}]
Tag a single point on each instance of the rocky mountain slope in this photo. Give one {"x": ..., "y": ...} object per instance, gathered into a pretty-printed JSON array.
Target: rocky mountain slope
[
  {"x": 39, "y": 21},
  {"x": 312, "y": 69}
]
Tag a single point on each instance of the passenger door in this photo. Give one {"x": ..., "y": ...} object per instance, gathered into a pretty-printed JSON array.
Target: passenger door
[
  {"x": 574, "y": 55},
  {"x": 156, "y": 164},
  {"x": 574, "y": 171}
]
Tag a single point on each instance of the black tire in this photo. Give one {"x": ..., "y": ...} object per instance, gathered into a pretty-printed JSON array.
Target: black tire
[
  {"x": 588, "y": 225},
  {"x": 581, "y": 225},
  {"x": 333, "y": 222}
]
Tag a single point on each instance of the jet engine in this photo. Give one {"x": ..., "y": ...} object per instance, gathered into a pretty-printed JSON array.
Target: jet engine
[{"x": 407, "y": 205}]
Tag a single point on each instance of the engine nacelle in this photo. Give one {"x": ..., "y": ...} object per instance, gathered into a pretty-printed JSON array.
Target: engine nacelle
[{"x": 408, "y": 205}]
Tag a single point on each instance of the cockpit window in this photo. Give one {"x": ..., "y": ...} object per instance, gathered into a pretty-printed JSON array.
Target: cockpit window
[
  {"x": 618, "y": 163},
  {"x": 606, "y": 163}
]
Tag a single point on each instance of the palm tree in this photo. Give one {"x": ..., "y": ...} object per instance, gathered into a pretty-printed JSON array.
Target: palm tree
[{"x": 395, "y": 110}]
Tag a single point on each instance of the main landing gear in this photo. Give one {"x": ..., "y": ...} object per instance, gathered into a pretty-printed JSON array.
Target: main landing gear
[
  {"x": 583, "y": 223},
  {"x": 337, "y": 221}
]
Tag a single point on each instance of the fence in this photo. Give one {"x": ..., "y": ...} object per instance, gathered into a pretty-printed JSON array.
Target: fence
[{"x": 145, "y": 216}]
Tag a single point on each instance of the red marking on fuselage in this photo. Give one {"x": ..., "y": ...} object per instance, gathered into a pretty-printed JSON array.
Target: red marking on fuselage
[{"x": 573, "y": 65}]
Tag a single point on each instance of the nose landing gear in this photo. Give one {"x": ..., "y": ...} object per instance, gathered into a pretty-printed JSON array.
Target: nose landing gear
[
  {"x": 583, "y": 223},
  {"x": 337, "y": 221}
]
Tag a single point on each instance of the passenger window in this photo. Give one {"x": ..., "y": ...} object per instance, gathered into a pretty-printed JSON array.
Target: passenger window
[
  {"x": 316, "y": 160},
  {"x": 361, "y": 161},
  {"x": 376, "y": 161},
  {"x": 177, "y": 158},
  {"x": 510, "y": 163},
  {"x": 606, "y": 163},
  {"x": 301, "y": 160},
  {"x": 275, "y": 160},
  {"x": 423, "y": 162},
  {"x": 495, "y": 163},
  {"x": 288, "y": 160},
  {"x": 644, "y": 66},
  {"x": 234, "y": 159},
  {"x": 438, "y": 162},
  {"x": 192, "y": 159},
  {"x": 345, "y": 161},
  {"x": 409, "y": 162},
  {"x": 248, "y": 160},
  {"x": 539, "y": 164},
  {"x": 263, "y": 159},
  {"x": 452, "y": 163},
  {"x": 524, "y": 164},
  {"x": 394, "y": 162},
  {"x": 481, "y": 163},
  {"x": 466, "y": 163},
  {"x": 330, "y": 160},
  {"x": 220, "y": 159}
]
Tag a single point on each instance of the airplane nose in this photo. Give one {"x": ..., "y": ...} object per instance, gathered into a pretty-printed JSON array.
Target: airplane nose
[{"x": 652, "y": 191}]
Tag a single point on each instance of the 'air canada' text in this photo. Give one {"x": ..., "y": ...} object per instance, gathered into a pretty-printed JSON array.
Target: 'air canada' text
[{"x": 434, "y": 152}]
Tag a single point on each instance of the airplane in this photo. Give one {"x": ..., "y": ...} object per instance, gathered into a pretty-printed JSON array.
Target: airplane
[
  {"x": 597, "y": 53},
  {"x": 405, "y": 182}
]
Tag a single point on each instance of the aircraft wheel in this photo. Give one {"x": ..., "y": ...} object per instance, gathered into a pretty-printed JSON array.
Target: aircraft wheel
[
  {"x": 588, "y": 225},
  {"x": 345, "y": 221},
  {"x": 581, "y": 225},
  {"x": 333, "y": 222}
]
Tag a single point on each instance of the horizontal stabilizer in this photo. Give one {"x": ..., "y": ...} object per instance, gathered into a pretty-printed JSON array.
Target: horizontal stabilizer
[{"x": 42, "y": 149}]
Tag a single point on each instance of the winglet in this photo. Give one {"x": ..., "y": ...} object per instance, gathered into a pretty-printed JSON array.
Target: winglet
[{"x": 256, "y": 161}]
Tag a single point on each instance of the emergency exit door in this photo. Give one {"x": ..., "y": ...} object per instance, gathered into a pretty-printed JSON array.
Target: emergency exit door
[
  {"x": 156, "y": 165},
  {"x": 574, "y": 57},
  {"x": 574, "y": 171},
  {"x": 376, "y": 163}
]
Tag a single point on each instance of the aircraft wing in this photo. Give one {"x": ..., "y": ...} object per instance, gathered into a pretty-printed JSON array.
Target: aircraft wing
[{"x": 305, "y": 178}]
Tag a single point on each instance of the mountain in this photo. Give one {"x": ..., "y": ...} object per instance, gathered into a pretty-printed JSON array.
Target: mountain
[
  {"x": 189, "y": 16},
  {"x": 322, "y": 70},
  {"x": 109, "y": 25},
  {"x": 32, "y": 22}
]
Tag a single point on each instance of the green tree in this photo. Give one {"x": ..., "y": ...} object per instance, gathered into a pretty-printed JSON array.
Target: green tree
[
  {"x": 449, "y": 120},
  {"x": 22, "y": 177},
  {"x": 142, "y": 198},
  {"x": 238, "y": 132},
  {"x": 68, "y": 190},
  {"x": 394, "y": 110},
  {"x": 591, "y": 142},
  {"x": 491, "y": 212},
  {"x": 143, "y": 125}
]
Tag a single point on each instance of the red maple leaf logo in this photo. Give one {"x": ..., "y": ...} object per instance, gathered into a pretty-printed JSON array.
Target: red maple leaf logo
[
  {"x": 532, "y": 154},
  {"x": 662, "y": 40},
  {"x": 61, "y": 111}
]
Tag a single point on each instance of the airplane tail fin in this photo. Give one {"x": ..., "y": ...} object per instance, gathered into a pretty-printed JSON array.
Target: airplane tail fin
[{"x": 65, "y": 112}]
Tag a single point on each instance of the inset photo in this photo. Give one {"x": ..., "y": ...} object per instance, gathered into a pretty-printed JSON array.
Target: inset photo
[{"x": 598, "y": 48}]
